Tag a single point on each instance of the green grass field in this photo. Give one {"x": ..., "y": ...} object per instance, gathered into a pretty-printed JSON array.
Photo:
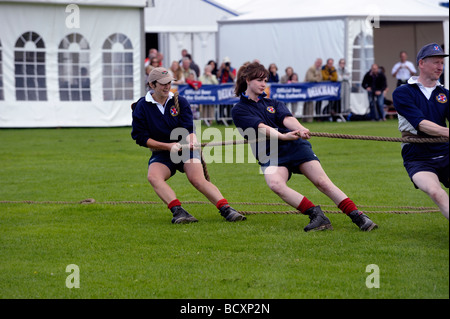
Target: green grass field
[{"x": 131, "y": 250}]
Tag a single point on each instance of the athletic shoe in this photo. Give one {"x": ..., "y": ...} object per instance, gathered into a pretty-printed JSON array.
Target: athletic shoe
[
  {"x": 231, "y": 214},
  {"x": 180, "y": 216},
  {"x": 318, "y": 220},
  {"x": 362, "y": 221}
]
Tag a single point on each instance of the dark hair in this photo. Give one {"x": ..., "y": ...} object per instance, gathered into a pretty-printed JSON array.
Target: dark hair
[{"x": 249, "y": 71}]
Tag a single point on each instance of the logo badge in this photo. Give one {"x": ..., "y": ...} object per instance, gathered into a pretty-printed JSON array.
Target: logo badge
[
  {"x": 436, "y": 48},
  {"x": 271, "y": 109},
  {"x": 173, "y": 111},
  {"x": 441, "y": 98}
]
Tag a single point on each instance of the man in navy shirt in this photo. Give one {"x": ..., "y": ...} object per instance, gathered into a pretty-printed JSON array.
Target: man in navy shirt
[
  {"x": 256, "y": 113},
  {"x": 159, "y": 120},
  {"x": 423, "y": 108}
]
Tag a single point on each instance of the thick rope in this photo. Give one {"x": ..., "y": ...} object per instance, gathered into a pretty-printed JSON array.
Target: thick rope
[
  {"x": 382, "y": 138},
  {"x": 415, "y": 210}
]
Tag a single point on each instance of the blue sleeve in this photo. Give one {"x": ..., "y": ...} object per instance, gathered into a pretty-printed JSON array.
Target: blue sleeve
[
  {"x": 187, "y": 119},
  {"x": 282, "y": 112},
  {"x": 405, "y": 104},
  {"x": 139, "y": 131},
  {"x": 243, "y": 120}
]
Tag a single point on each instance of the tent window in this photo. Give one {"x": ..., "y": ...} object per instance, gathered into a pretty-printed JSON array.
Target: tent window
[
  {"x": 2, "y": 96},
  {"x": 73, "y": 69},
  {"x": 117, "y": 68},
  {"x": 362, "y": 59},
  {"x": 29, "y": 65}
]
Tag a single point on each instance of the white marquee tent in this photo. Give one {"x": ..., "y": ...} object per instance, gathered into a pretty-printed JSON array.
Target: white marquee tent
[
  {"x": 295, "y": 33},
  {"x": 186, "y": 24},
  {"x": 70, "y": 64}
]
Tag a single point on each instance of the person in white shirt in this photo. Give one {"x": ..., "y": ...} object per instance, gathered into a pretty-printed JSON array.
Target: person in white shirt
[{"x": 403, "y": 69}]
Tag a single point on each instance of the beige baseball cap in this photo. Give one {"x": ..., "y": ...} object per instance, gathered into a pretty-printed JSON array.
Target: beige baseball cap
[{"x": 161, "y": 75}]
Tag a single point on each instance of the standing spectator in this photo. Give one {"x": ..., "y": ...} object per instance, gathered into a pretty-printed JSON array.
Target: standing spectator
[
  {"x": 226, "y": 73},
  {"x": 290, "y": 77},
  {"x": 403, "y": 69},
  {"x": 344, "y": 78},
  {"x": 329, "y": 73},
  {"x": 186, "y": 68},
  {"x": 313, "y": 74},
  {"x": 207, "y": 112},
  {"x": 273, "y": 73},
  {"x": 374, "y": 82},
  {"x": 160, "y": 57},
  {"x": 154, "y": 62},
  {"x": 193, "y": 66},
  {"x": 177, "y": 73},
  {"x": 213, "y": 65},
  {"x": 423, "y": 109},
  {"x": 184, "y": 52},
  {"x": 207, "y": 77},
  {"x": 152, "y": 53}
]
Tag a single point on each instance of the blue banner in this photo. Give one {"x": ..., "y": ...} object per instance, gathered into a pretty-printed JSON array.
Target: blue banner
[
  {"x": 296, "y": 92},
  {"x": 292, "y": 92},
  {"x": 209, "y": 94}
]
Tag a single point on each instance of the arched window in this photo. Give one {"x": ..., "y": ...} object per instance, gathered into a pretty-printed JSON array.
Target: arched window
[
  {"x": 73, "y": 65},
  {"x": 117, "y": 68},
  {"x": 362, "y": 59},
  {"x": 29, "y": 66},
  {"x": 2, "y": 96}
]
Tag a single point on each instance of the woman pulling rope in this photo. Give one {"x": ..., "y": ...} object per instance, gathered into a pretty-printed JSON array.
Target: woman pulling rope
[
  {"x": 155, "y": 118},
  {"x": 293, "y": 154}
]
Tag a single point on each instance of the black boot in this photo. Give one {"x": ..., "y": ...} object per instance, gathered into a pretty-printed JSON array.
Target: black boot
[
  {"x": 180, "y": 216},
  {"x": 362, "y": 221},
  {"x": 231, "y": 214},
  {"x": 318, "y": 220}
]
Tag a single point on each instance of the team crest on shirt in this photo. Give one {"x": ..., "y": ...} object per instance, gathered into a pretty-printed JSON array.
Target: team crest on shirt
[
  {"x": 441, "y": 98},
  {"x": 271, "y": 109},
  {"x": 173, "y": 111}
]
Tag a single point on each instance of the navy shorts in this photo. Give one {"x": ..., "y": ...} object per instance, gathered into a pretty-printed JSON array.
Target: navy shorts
[
  {"x": 291, "y": 155},
  {"x": 438, "y": 166},
  {"x": 176, "y": 163}
]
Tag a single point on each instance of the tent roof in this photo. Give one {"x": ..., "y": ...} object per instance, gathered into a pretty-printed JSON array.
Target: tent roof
[
  {"x": 115, "y": 3},
  {"x": 398, "y": 10},
  {"x": 185, "y": 16}
]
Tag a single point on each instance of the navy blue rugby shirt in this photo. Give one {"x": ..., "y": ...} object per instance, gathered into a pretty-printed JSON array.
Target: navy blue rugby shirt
[
  {"x": 149, "y": 122},
  {"x": 412, "y": 105},
  {"x": 249, "y": 114}
]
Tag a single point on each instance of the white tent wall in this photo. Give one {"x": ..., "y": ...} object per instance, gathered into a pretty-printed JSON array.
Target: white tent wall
[
  {"x": 201, "y": 45},
  {"x": 358, "y": 27},
  {"x": 262, "y": 33},
  {"x": 186, "y": 24},
  {"x": 96, "y": 24},
  {"x": 295, "y": 43}
]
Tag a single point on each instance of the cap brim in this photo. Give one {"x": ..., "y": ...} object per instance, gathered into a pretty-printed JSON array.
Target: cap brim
[{"x": 165, "y": 80}]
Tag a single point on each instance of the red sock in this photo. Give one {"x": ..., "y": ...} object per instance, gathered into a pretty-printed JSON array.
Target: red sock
[
  {"x": 221, "y": 203},
  {"x": 174, "y": 203},
  {"x": 305, "y": 204},
  {"x": 347, "y": 206}
]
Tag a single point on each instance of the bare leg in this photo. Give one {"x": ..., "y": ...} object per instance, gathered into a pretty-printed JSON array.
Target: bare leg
[
  {"x": 194, "y": 173},
  {"x": 157, "y": 175},
  {"x": 276, "y": 178},
  {"x": 429, "y": 183},
  {"x": 314, "y": 172}
]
